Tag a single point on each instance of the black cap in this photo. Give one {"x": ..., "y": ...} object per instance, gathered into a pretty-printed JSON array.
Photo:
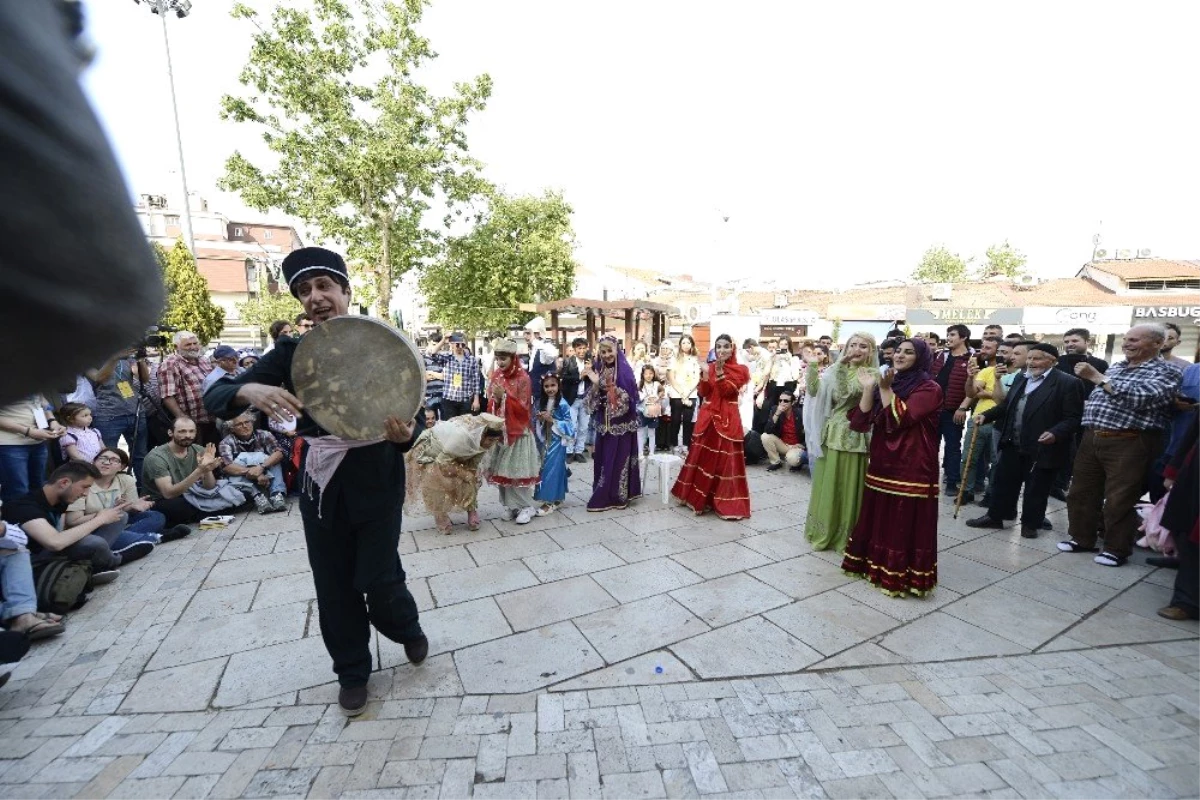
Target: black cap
[
  {"x": 310, "y": 261},
  {"x": 1045, "y": 348},
  {"x": 457, "y": 338}
]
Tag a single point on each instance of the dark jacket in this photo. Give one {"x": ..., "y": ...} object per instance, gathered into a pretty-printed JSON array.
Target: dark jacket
[
  {"x": 568, "y": 379},
  {"x": 773, "y": 424},
  {"x": 1056, "y": 406},
  {"x": 370, "y": 480}
]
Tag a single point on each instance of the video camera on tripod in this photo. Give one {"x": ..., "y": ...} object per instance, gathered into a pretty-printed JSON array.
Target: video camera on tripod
[{"x": 153, "y": 338}]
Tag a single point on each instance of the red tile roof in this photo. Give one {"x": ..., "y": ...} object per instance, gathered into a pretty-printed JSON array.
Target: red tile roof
[{"x": 1147, "y": 268}]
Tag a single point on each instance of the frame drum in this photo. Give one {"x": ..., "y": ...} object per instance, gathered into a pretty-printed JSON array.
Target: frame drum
[{"x": 352, "y": 372}]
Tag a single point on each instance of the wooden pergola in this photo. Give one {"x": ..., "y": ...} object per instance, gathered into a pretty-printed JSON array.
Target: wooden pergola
[{"x": 597, "y": 312}]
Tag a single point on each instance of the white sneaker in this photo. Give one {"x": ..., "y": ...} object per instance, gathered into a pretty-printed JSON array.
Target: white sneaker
[{"x": 525, "y": 515}]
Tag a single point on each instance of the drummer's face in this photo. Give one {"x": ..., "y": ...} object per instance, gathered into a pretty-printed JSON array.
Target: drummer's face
[{"x": 323, "y": 298}]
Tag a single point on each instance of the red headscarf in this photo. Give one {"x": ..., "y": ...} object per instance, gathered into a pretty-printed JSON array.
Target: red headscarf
[
  {"x": 518, "y": 399},
  {"x": 716, "y": 410}
]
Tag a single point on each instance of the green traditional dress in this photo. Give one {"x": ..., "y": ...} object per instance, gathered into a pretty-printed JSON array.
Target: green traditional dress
[{"x": 840, "y": 472}]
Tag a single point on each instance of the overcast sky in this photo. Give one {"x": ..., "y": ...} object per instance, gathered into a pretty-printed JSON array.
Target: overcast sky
[{"x": 840, "y": 139}]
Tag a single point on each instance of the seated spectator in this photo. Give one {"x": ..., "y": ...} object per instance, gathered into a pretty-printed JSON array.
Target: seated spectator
[
  {"x": 39, "y": 513},
  {"x": 116, "y": 488},
  {"x": 172, "y": 469},
  {"x": 251, "y": 460},
  {"x": 226, "y": 360},
  {"x": 18, "y": 610},
  {"x": 81, "y": 442},
  {"x": 783, "y": 434}
]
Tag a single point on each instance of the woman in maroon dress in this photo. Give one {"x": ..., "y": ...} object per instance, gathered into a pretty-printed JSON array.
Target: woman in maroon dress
[
  {"x": 714, "y": 474},
  {"x": 894, "y": 544}
]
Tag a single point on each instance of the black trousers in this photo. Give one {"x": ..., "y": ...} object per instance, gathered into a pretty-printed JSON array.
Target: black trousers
[
  {"x": 455, "y": 408},
  {"x": 360, "y": 582},
  {"x": 178, "y": 511},
  {"x": 1014, "y": 470},
  {"x": 1187, "y": 580},
  {"x": 681, "y": 420}
]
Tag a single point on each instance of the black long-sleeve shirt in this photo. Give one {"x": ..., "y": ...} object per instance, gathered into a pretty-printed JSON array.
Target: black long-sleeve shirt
[{"x": 369, "y": 481}]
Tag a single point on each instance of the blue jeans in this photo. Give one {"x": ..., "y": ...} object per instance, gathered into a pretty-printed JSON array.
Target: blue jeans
[
  {"x": 979, "y": 458},
  {"x": 580, "y": 419},
  {"x": 951, "y": 436},
  {"x": 16, "y": 580},
  {"x": 22, "y": 469},
  {"x": 250, "y": 487},
  {"x": 113, "y": 428},
  {"x": 142, "y": 526}
]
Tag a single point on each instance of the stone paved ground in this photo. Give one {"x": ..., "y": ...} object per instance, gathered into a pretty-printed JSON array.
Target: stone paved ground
[{"x": 646, "y": 653}]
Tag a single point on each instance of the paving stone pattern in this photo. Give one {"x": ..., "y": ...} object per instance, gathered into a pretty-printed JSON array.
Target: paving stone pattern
[{"x": 642, "y": 653}]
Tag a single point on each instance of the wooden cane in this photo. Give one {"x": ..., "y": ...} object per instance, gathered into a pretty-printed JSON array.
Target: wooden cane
[{"x": 962, "y": 484}]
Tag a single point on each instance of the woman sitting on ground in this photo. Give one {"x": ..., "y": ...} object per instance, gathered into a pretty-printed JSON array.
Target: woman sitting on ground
[{"x": 116, "y": 488}]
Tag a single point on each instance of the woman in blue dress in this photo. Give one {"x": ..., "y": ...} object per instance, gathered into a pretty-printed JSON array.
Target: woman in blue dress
[{"x": 555, "y": 433}]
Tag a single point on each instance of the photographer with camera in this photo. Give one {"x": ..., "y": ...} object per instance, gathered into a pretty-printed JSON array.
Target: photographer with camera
[{"x": 118, "y": 411}]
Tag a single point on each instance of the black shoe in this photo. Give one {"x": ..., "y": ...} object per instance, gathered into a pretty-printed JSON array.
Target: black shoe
[
  {"x": 177, "y": 532},
  {"x": 1166, "y": 562},
  {"x": 986, "y": 502},
  {"x": 352, "y": 700},
  {"x": 133, "y": 552},
  {"x": 952, "y": 489},
  {"x": 778, "y": 465},
  {"x": 1028, "y": 533},
  {"x": 968, "y": 497},
  {"x": 1058, "y": 494},
  {"x": 1047, "y": 525},
  {"x": 985, "y": 522},
  {"x": 416, "y": 650}
]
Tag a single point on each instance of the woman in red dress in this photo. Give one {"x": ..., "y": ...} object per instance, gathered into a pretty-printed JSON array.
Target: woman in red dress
[
  {"x": 894, "y": 544},
  {"x": 714, "y": 474}
]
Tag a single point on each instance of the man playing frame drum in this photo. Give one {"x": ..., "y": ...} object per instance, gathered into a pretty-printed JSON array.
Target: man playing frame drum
[{"x": 353, "y": 493}]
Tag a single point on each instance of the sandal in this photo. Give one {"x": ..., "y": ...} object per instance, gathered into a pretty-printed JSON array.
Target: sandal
[
  {"x": 43, "y": 629},
  {"x": 547, "y": 508},
  {"x": 49, "y": 617},
  {"x": 444, "y": 525},
  {"x": 1072, "y": 546}
]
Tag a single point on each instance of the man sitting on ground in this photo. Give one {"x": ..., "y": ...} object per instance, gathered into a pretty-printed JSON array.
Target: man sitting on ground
[
  {"x": 252, "y": 461},
  {"x": 783, "y": 434},
  {"x": 40, "y": 512},
  {"x": 173, "y": 468}
]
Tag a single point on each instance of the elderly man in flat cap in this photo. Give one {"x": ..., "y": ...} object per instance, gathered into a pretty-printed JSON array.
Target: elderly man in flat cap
[
  {"x": 1037, "y": 420},
  {"x": 352, "y": 513}
]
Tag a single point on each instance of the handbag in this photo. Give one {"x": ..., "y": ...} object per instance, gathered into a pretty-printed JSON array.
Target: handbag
[{"x": 653, "y": 408}]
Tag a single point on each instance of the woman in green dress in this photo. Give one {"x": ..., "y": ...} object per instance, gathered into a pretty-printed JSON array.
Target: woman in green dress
[{"x": 837, "y": 454}]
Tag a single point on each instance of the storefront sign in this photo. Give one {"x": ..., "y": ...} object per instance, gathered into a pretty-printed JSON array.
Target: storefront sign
[
  {"x": 793, "y": 332},
  {"x": 951, "y": 315},
  {"x": 788, "y": 317},
  {"x": 1174, "y": 314},
  {"x": 881, "y": 313},
  {"x": 1063, "y": 317}
]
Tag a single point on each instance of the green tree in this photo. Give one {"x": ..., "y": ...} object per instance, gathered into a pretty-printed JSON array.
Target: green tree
[
  {"x": 363, "y": 150},
  {"x": 268, "y": 304},
  {"x": 1003, "y": 259},
  {"x": 939, "y": 265},
  {"x": 189, "y": 304},
  {"x": 521, "y": 251}
]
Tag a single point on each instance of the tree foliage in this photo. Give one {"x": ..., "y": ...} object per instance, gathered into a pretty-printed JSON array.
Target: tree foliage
[
  {"x": 268, "y": 304},
  {"x": 939, "y": 265},
  {"x": 521, "y": 251},
  {"x": 363, "y": 150},
  {"x": 1003, "y": 259},
  {"x": 189, "y": 304}
]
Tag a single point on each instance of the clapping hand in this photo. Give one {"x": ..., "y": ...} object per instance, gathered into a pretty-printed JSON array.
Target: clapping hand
[
  {"x": 867, "y": 379},
  {"x": 886, "y": 380},
  {"x": 209, "y": 460}
]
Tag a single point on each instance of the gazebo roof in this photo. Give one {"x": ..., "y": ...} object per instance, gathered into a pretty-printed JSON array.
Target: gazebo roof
[{"x": 614, "y": 308}]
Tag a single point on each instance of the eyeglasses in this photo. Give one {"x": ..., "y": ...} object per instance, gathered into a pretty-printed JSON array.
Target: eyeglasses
[{"x": 107, "y": 460}]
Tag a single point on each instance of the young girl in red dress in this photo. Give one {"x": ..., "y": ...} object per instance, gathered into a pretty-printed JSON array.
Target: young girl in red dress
[{"x": 714, "y": 475}]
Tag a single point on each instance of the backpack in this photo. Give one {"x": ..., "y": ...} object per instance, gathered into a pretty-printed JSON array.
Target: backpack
[{"x": 62, "y": 584}]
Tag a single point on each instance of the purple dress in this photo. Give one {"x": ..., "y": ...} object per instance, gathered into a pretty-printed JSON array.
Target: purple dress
[{"x": 613, "y": 406}]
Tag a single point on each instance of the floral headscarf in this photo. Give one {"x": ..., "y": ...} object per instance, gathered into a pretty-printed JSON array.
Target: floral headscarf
[{"x": 624, "y": 375}]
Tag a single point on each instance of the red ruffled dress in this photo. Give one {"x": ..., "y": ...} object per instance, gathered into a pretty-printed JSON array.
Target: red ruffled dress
[
  {"x": 714, "y": 475},
  {"x": 894, "y": 544}
]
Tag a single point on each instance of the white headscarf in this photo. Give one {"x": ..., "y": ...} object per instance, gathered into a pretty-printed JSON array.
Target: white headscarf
[{"x": 818, "y": 407}]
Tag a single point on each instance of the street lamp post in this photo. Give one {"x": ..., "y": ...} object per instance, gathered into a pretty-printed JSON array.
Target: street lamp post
[{"x": 181, "y": 8}]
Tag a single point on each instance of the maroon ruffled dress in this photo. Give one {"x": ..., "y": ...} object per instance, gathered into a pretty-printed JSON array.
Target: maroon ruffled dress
[
  {"x": 894, "y": 544},
  {"x": 714, "y": 475}
]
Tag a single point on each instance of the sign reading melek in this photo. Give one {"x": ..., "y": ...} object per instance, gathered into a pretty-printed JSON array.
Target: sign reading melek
[
  {"x": 1166, "y": 314},
  {"x": 951, "y": 315}
]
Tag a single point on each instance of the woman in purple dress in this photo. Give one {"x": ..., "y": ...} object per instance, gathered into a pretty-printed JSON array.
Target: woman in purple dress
[{"x": 613, "y": 405}]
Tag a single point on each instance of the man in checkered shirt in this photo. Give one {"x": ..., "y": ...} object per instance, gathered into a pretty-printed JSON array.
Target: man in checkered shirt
[
  {"x": 1124, "y": 430},
  {"x": 180, "y": 381}
]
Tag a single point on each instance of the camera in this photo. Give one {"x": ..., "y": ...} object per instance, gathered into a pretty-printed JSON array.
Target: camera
[{"x": 153, "y": 338}]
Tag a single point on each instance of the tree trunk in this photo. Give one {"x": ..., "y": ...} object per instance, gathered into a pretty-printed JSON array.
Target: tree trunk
[{"x": 383, "y": 277}]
